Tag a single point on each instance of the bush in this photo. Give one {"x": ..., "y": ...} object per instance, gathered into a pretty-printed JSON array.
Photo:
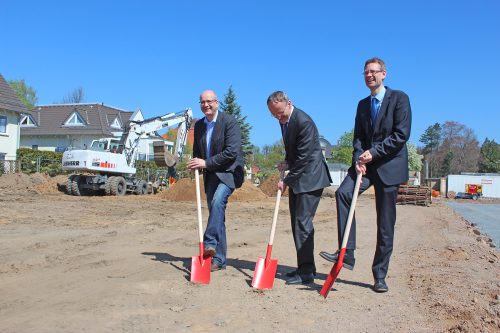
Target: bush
[{"x": 40, "y": 161}]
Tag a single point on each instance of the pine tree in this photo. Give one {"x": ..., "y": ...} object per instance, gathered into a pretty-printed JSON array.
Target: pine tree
[{"x": 231, "y": 107}]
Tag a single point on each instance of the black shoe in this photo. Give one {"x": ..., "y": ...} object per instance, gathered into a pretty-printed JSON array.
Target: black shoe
[
  {"x": 295, "y": 272},
  {"x": 380, "y": 286},
  {"x": 300, "y": 279},
  {"x": 208, "y": 252},
  {"x": 349, "y": 260},
  {"x": 216, "y": 267}
]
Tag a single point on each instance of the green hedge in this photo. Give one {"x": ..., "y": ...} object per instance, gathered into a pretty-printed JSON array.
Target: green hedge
[{"x": 40, "y": 161}]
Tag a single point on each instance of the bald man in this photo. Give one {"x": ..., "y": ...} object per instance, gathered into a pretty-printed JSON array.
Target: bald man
[{"x": 217, "y": 150}]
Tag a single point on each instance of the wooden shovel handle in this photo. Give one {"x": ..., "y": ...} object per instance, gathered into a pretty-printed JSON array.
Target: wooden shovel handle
[
  {"x": 198, "y": 203},
  {"x": 351, "y": 210},
  {"x": 276, "y": 210}
]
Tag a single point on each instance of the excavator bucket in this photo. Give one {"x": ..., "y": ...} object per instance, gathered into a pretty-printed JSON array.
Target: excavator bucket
[{"x": 163, "y": 157}]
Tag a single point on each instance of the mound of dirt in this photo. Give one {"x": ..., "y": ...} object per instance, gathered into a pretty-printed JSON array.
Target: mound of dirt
[
  {"x": 16, "y": 182},
  {"x": 35, "y": 183},
  {"x": 269, "y": 188},
  {"x": 185, "y": 190},
  {"x": 52, "y": 184}
]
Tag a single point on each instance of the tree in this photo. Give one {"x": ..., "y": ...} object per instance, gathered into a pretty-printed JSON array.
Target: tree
[
  {"x": 268, "y": 157},
  {"x": 459, "y": 149},
  {"x": 431, "y": 139},
  {"x": 342, "y": 152},
  {"x": 76, "y": 96},
  {"x": 414, "y": 159},
  {"x": 231, "y": 107},
  {"x": 26, "y": 94},
  {"x": 489, "y": 160}
]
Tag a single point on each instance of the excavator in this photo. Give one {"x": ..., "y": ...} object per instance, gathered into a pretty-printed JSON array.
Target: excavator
[{"x": 109, "y": 166}]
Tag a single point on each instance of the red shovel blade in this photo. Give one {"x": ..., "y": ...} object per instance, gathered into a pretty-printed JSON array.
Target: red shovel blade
[
  {"x": 265, "y": 271},
  {"x": 200, "y": 268},
  {"x": 334, "y": 272}
]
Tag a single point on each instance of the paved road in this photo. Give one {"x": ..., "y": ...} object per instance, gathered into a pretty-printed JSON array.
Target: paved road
[{"x": 487, "y": 217}]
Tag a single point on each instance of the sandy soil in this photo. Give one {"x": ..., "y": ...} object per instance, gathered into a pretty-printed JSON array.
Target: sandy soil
[{"x": 121, "y": 264}]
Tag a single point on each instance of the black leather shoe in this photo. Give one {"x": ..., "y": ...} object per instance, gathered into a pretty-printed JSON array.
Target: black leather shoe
[
  {"x": 208, "y": 252},
  {"x": 300, "y": 279},
  {"x": 349, "y": 259},
  {"x": 216, "y": 267},
  {"x": 295, "y": 272},
  {"x": 380, "y": 286}
]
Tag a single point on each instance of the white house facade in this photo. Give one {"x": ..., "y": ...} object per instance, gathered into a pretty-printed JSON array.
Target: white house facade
[{"x": 11, "y": 110}]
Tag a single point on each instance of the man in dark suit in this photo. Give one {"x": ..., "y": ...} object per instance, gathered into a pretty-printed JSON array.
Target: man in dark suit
[
  {"x": 308, "y": 175},
  {"x": 217, "y": 150},
  {"x": 381, "y": 130}
]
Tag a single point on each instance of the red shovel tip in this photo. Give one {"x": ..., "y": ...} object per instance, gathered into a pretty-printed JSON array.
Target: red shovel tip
[{"x": 200, "y": 269}]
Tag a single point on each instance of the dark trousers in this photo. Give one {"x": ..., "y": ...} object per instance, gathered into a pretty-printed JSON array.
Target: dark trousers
[
  {"x": 385, "y": 202},
  {"x": 302, "y": 209}
]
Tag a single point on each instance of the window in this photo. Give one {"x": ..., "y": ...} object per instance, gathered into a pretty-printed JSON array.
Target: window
[
  {"x": 27, "y": 121},
  {"x": 2, "y": 156},
  {"x": 3, "y": 124},
  {"x": 34, "y": 147},
  {"x": 75, "y": 120},
  {"x": 116, "y": 123}
]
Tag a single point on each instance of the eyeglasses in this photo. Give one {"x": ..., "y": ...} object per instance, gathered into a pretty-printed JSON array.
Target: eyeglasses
[
  {"x": 210, "y": 101},
  {"x": 371, "y": 72}
]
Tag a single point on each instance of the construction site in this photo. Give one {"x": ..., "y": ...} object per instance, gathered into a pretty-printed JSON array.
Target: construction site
[{"x": 100, "y": 263}]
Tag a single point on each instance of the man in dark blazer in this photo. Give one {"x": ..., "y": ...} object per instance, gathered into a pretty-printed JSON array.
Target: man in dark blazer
[
  {"x": 381, "y": 130},
  {"x": 217, "y": 150},
  {"x": 307, "y": 176}
]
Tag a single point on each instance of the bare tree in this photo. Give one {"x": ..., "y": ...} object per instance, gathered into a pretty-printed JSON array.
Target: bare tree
[
  {"x": 459, "y": 150},
  {"x": 76, "y": 96}
]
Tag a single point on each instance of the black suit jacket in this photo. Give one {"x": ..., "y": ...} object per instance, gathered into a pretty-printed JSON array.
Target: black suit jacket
[
  {"x": 226, "y": 156},
  {"x": 387, "y": 139},
  {"x": 308, "y": 170}
]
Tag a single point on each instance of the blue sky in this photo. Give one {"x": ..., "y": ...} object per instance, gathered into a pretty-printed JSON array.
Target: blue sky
[{"x": 159, "y": 56}]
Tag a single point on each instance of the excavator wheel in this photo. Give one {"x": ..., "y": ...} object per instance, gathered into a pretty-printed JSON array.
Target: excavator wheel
[
  {"x": 141, "y": 187},
  {"x": 163, "y": 157},
  {"x": 107, "y": 185},
  {"x": 69, "y": 184},
  {"x": 118, "y": 186},
  {"x": 75, "y": 189}
]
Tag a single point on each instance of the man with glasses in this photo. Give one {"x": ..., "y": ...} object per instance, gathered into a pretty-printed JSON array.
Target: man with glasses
[
  {"x": 308, "y": 175},
  {"x": 217, "y": 150},
  {"x": 381, "y": 130}
]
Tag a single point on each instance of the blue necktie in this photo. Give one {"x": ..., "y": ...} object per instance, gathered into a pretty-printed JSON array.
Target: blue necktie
[{"x": 374, "y": 110}]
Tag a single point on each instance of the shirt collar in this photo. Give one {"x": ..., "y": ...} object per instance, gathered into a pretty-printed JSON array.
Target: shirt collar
[
  {"x": 380, "y": 95},
  {"x": 213, "y": 121}
]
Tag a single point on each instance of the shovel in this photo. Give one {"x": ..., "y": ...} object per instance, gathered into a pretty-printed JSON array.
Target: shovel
[
  {"x": 265, "y": 269},
  {"x": 330, "y": 280},
  {"x": 200, "y": 267}
]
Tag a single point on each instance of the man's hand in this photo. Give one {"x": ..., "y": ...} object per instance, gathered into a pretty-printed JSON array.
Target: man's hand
[
  {"x": 360, "y": 167},
  {"x": 281, "y": 186},
  {"x": 282, "y": 166},
  {"x": 366, "y": 157},
  {"x": 196, "y": 163}
]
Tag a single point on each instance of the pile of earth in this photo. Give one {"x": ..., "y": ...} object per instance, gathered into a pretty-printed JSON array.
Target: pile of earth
[
  {"x": 185, "y": 190},
  {"x": 268, "y": 186},
  {"x": 36, "y": 183}
]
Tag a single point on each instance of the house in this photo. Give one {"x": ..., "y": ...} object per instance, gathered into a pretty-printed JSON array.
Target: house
[
  {"x": 11, "y": 110},
  {"x": 58, "y": 127},
  {"x": 326, "y": 147},
  {"x": 338, "y": 171}
]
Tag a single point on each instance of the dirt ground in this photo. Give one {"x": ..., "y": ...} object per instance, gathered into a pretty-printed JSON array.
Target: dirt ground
[{"x": 121, "y": 264}]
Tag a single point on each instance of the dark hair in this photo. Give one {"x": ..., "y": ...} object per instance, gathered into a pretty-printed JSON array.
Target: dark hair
[
  {"x": 278, "y": 96},
  {"x": 378, "y": 61}
]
